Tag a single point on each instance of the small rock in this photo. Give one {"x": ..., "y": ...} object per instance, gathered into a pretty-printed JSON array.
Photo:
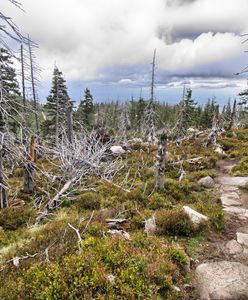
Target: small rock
[
  {"x": 117, "y": 150},
  {"x": 207, "y": 182},
  {"x": 242, "y": 238},
  {"x": 150, "y": 225},
  {"x": 176, "y": 288},
  {"x": 120, "y": 233},
  {"x": 187, "y": 286},
  {"x": 194, "y": 216},
  {"x": 111, "y": 278},
  {"x": 219, "y": 150},
  {"x": 233, "y": 247},
  {"x": 222, "y": 280}
]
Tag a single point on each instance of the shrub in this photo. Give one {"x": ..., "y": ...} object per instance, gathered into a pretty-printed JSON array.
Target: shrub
[
  {"x": 173, "y": 222},
  {"x": 88, "y": 200},
  {"x": 158, "y": 201},
  {"x": 12, "y": 218}
]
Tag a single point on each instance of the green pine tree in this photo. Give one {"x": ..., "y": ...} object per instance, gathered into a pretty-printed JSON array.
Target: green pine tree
[
  {"x": 10, "y": 100},
  {"x": 85, "y": 113},
  {"x": 57, "y": 104}
]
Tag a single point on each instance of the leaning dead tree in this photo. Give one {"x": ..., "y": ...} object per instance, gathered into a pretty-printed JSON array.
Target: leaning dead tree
[{"x": 160, "y": 162}]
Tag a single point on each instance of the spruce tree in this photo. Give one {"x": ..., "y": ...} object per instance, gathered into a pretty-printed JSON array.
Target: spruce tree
[
  {"x": 85, "y": 113},
  {"x": 57, "y": 105},
  {"x": 10, "y": 95}
]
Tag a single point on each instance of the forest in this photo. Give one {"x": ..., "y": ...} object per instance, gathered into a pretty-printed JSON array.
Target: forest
[{"x": 135, "y": 199}]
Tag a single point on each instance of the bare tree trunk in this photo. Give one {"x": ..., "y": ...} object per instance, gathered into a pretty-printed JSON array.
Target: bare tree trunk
[
  {"x": 29, "y": 170},
  {"x": 33, "y": 89},
  {"x": 232, "y": 116},
  {"x": 153, "y": 75},
  {"x": 3, "y": 190},
  {"x": 160, "y": 163},
  {"x": 69, "y": 122},
  {"x": 57, "y": 118},
  {"x": 23, "y": 80}
]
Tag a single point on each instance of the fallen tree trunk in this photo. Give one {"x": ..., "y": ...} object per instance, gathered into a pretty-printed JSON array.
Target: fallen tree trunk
[{"x": 52, "y": 203}]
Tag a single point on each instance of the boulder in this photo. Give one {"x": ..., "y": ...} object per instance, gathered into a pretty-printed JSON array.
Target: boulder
[
  {"x": 242, "y": 238},
  {"x": 207, "y": 182},
  {"x": 195, "y": 217},
  {"x": 150, "y": 225},
  {"x": 222, "y": 280},
  {"x": 233, "y": 247},
  {"x": 117, "y": 150}
]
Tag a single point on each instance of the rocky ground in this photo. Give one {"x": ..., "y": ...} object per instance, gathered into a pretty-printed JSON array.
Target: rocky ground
[{"x": 225, "y": 276}]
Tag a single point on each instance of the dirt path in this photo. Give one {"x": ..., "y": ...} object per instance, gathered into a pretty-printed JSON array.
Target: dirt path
[{"x": 223, "y": 272}]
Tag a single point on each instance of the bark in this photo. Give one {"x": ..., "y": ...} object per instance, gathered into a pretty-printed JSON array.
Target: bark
[
  {"x": 29, "y": 171},
  {"x": 3, "y": 190},
  {"x": 160, "y": 163},
  {"x": 232, "y": 116},
  {"x": 69, "y": 122}
]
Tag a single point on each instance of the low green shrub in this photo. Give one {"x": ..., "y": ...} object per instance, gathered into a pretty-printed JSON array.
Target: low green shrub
[
  {"x": 88, "y": 200},
  {"x": 12, "y": 218},
  {"x": 173, "y": 223}
]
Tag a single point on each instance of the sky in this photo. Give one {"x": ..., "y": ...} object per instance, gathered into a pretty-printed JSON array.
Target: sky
[{"x": 108, "y": 45}]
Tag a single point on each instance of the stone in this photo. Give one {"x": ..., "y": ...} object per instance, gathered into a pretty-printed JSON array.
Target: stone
[
  {"x": 219, "y": 150},
  {"x": 230, "y": 199},
  {"x": 120, "y": 233},
  {"x": 207, "y": 182},
  {"x": 235, "y": 210},
  {"x": 195, "y": 217},
  {"x": 233, "y": 247},
  {"x": 237, "y": 181},
  {"x": 222, "y": 280},
  {"x": 150, "y": 225},
  {"x": 229, "y": 188},
  {"x": 242, "y": 238},
  {"x": 117, "y": 150}
]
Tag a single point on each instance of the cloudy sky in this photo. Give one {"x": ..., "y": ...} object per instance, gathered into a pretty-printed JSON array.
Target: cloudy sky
[{"x": 107, "y": 45}]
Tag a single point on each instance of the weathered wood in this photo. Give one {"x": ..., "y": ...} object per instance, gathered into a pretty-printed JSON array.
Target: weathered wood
[
  {"x": 30, "y": 170},
  {"x": 3, "y": 189},
  {"x": 160, "y": 163}
]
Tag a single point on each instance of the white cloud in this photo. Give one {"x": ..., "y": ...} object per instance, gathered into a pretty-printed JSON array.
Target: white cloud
[{"x": 86, "y": 36}]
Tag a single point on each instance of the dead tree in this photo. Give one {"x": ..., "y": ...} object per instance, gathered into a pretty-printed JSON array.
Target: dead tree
[
  {"x": 69, "y": 117},
  {"x": 217, "y": 128},
  {"x": 33, "y": 69},
  {"x": 160, "y": 162},
  {"x": 29, "y": 170},
  {"x": 233, "y": 115},
  {"x": 3, "y": 189},
  {"x": 124, "y": 124},
  {"x": 149, "y": 119}
]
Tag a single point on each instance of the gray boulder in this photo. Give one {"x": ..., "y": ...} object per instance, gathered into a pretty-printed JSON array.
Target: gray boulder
[
  {"x": 207, "y": 182},
  {"x": 222, "y": 280}
]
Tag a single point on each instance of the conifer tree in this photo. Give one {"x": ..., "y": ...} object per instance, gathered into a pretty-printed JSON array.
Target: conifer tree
[
  {"x": 85, "y": 113},
  {"x": 57, "y": 104},
  {"x": 10, "y": 95}
]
